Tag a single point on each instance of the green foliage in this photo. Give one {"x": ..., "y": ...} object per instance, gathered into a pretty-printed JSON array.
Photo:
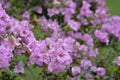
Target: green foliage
[
  {"x": 113, "y": 6},
  {"x": 107, "y": 54},
  {"x": 39, "y": 34}
]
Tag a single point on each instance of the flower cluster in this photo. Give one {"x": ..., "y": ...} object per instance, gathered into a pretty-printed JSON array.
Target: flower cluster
[
  {"x": 51, "y": 52},
  {"x": 74, "y": 27},
  {"x": 112, "y": 26}
]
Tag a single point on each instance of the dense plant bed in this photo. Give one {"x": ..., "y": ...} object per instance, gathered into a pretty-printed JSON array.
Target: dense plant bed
[{"x": 58, "y": 40}]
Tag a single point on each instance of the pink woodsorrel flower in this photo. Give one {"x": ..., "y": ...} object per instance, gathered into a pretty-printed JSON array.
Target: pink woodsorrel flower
[
  {"x": 76, "y": 70},
  {"x": 100, "y": 71},
  {"x": 117, "y": 61},
  {"x": 19, "y": 68}
]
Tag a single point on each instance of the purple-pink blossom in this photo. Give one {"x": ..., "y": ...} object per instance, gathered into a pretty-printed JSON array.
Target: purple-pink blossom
[
  {"x": 117, "y": 61},
  {"x": 100, "y": 71},
  {"x": 76, "y": 70},
  {"x": 19, "y": 68}
]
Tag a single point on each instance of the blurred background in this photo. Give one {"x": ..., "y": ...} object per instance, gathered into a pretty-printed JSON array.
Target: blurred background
[{"x": 114, "y": 6}]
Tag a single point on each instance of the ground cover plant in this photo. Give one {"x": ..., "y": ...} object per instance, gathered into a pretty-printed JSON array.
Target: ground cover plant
[{"x": 58, "y": 40}]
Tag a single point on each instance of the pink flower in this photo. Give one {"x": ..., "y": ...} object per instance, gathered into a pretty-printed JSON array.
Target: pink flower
[
  {"x": 103, "y": 36},
  {"x": 52, "y": 12},
  {"x": 19, "y": 68},
  {"x": 7, "y": 5},
  {"x": 117, "y": 61},
  {"x": 94, "y": 68},
  {"x": 39, "y": 9},
  {"x": 85, "y": 9},
  {"x": 93, "y": 53},
  {"x": 76, "y": 70},
  {"x": 100, "y": 71},
  {"x": 85, "y": 63},
  {"x": 74, "y": 25},
  {"x": 4, "y": 63},
  {"x": 26, "y": 15},
  {"x": 5, "y": 57},
  {"x": 71, "y": 4},
  {"x": 88, "y": 39},
  {"x": 56, "y": 67}
]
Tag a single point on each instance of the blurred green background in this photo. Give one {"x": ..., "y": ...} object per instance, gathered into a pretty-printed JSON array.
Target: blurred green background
[{"x": 114, "y": 6}]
